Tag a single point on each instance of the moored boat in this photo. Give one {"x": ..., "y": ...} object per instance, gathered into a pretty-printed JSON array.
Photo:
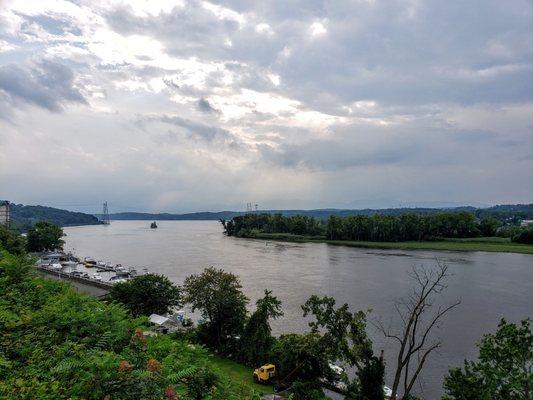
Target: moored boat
[{"x": 89, "y": 262}]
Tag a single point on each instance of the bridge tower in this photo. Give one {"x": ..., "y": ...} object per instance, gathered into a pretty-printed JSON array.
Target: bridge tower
[{"x": 105, "y": 214}]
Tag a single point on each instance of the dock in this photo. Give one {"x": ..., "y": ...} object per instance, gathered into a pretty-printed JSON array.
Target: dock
[
  {"x": 89, "y": 286},
  {"x": 64, "y": 266}
]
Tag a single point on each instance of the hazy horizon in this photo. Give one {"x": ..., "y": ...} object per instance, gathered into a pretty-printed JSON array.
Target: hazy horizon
[
  {"x": 188, "y": 105},
  {"x": 117, "y": 209}
]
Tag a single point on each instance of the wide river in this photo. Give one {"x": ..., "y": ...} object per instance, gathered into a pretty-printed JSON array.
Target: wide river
[{"x": 490, "y": 286}]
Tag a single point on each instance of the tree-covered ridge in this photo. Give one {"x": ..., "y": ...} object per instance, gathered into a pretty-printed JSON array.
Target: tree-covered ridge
[
  {"x": 24, "y": 217},
  {"x": 507, "y": 213},
  {"x": 379, "y": 228}
]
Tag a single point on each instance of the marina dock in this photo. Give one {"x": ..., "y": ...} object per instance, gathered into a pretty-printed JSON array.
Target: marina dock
[{"x": 93, "y": 278}]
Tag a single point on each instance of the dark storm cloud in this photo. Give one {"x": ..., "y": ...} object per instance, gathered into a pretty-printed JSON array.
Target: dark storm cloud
[
  {"x": 205, "y": 106},
  {"x": 48, "y": 84},
  {"x": 196, "y": 130}
]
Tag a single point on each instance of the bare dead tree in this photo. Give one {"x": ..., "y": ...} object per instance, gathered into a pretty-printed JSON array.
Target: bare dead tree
[{"x": 418, "y": 320}]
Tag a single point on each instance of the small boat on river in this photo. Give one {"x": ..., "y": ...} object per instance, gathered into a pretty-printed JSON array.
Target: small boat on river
[{"x": 153, "y": 225}]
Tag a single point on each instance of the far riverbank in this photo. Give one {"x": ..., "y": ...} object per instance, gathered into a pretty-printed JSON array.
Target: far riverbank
[{"x": 495, "y": 244}]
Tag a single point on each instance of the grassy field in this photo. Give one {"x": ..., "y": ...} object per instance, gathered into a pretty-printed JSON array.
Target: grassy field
[
  {"x": 494, "y": 244},
  {"x": 240, "y": 375}
]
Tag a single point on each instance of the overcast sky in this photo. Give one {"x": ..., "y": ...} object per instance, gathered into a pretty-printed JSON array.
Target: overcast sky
[{"x": 195, "y": 105}]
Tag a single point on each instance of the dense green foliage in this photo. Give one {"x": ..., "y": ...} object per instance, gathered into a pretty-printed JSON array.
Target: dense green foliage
[
  {"x": 378, "y": 228},
  {"x": 524, "y": 236},
  {"x": 257, "y": 340},
  {"x": 336, "y": 335},
  {"x": 369, "y": 382},
  {"x": 218, "y": 296},
  {"x": 245, "y": 225},
  {"x": 11, "y": 241},
  {"x": 147, "y": 294},
  {"x": 44, "y": 236},
  {"x": 58, "y": 344},
  {"x": 24, "y": 217},
  {"x": 503, "y": 371}
]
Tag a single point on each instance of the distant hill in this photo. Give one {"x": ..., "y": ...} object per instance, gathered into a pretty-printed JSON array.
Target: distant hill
[
  {"x": 500, "y": 212},
  {"x": 23, "y": 217}
]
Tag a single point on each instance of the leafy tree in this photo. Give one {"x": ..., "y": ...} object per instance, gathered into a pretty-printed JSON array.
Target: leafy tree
[
  {"x": 503, "y": 371},
  {"x": 307, "y": 390},
  {"x": 488, "y": 226},
  {"x": 369, "y": 382},
  {"x": 344, "y": 339},
  {"x": 336, "y": 335},
  {"x": 14, "y": 268},
  {"x": 376, "y": 227},
  {"x": 257, "y": 338},
  {"x": 11, "y": 241},
  {"x": 524, "y": 236},
  {"x": 300, "y": 357},
  {"x": 44, "y": 236},
  {"x": 343, "y": 332},
  {"x": 147, "y": 294},
  {"x": 218, "y": 296}
]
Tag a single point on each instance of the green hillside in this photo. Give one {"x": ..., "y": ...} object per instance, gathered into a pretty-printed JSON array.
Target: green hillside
[
  {"x": 23, "y": 217},
  {"x": 59, "y": 344}
]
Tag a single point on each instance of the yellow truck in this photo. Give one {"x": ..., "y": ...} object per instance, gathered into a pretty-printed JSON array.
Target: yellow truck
[{"x": 265, "y": 373}]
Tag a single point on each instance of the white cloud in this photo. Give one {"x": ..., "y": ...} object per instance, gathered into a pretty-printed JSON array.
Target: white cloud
[
  {"x": 317, "y": 29},
  {"x": 295, "y": 102},
  {"x": 264, "y": 28}
]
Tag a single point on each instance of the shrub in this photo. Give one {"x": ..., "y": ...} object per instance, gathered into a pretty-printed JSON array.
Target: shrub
[
  {"x": 147, "y": 294},
  {"x": 201, "y": 383},
  {"x": 525, "y": 236}
]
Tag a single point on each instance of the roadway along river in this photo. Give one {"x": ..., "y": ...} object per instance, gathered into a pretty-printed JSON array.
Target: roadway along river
[{"x": 489, "y": 285}]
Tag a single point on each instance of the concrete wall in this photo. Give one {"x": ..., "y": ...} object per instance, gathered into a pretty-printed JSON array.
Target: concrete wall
[{"x": 96, "y": 289}]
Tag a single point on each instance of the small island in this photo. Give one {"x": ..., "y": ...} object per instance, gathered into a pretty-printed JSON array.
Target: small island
[{"x": 440, "y": 230}]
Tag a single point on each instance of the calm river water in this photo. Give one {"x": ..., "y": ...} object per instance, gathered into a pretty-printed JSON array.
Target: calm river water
[{"x": 490, "y": 285}]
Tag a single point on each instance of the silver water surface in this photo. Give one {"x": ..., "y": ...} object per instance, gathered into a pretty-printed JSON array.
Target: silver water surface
[{"x": 490, "y": 285}]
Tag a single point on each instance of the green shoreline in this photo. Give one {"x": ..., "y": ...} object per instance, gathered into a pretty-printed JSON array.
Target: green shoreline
[{"x": 500, "y": 245}]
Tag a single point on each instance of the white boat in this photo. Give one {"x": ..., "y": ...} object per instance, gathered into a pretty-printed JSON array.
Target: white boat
[
  {"x": 97, "y": 277},
  {"x": 387, "y": 391},
  {"x": 55, "y": 266},
  {"x": 71, "y": 264},
  {"x": 117, "y": 279},
  {"x": 121, "y": 271}
]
